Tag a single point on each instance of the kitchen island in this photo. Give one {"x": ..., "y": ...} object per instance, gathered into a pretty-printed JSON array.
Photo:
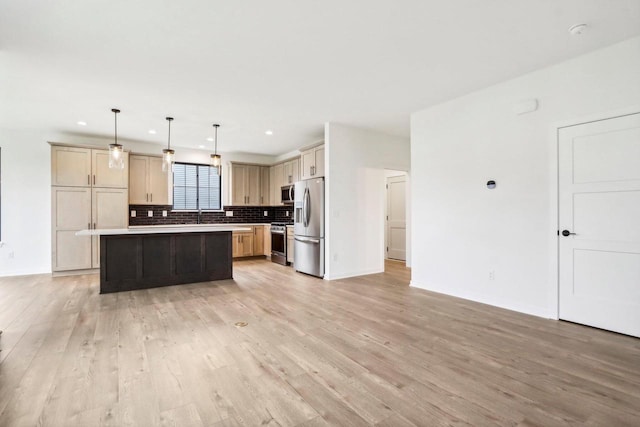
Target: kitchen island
[{"x": 148, "y": 257}]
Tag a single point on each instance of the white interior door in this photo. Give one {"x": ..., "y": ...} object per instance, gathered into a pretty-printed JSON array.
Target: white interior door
[
  {"x": 599, "y": 190},
  {"x": 396, "y": 218}
]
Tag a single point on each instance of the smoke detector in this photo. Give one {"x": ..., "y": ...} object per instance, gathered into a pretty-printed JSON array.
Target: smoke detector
[{"x": 577, "y": 29}]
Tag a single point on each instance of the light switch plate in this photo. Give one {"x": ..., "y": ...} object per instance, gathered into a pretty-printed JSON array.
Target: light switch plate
[
  {"x": 228, "y": 213},
  {"x": 164, "y": 213},
  {"x": 133, "y": 214},
  {"x": 149, "y": 213},
  {"x": 287, "y": 213}
]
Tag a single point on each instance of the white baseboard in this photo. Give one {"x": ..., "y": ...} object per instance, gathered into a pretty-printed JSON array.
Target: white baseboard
[
  {"x": 353, "y": 274},
  {"x": 508, "y": 305}
]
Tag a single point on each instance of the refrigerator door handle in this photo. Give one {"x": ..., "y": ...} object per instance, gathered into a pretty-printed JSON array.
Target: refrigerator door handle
[
  {"x": 291, "y": 193},
  {"x": 307, "y": 240},
  {"x": 307, "y": 207}
]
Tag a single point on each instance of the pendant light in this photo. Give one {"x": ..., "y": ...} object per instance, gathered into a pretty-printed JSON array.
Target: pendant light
[
  {"x": 216, "y": 159},
  {"x": 167, "y": 153},
  {"x": 116, "y": 157}
]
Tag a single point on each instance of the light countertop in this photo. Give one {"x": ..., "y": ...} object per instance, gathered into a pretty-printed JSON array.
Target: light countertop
[{"x": 158, "y": 229}]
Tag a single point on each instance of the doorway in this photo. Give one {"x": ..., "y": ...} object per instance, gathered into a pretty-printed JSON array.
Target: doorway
[
  {"x": 599, "y": 224},
  {"x": 396, "y": 216}
]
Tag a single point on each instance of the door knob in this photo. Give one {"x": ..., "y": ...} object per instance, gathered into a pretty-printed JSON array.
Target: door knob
[{"x": 566, "y": 233}]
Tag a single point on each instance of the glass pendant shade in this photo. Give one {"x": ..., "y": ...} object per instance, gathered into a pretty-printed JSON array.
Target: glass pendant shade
[
  {"x": 167, "y": 159},
  {"x": 116, "y": 155},
  {"x": 168, "y": 153}
]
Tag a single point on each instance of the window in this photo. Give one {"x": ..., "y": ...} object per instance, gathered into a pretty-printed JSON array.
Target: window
[{"x": 196, "y": 187}]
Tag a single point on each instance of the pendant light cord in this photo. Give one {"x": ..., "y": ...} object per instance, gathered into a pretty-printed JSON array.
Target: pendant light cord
[
  {"x": 169, "y": 141},
  {"x": 115, "y": 113}
]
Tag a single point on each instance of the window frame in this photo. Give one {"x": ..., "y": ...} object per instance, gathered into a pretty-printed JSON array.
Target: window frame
[{"x": 173, "y": 208}]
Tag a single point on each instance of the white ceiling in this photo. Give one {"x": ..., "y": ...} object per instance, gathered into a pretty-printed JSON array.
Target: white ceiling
[{"x": 289, "y": 66}]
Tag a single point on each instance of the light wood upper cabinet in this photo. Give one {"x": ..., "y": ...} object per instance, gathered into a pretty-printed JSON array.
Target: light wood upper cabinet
[
  {"x": 86, "y": 167},
  {"x": 278, "y": 173},
  {"x": 265, "y": 185},
  {"x": 148, "y": 184},
  {"x": 108, "y": 178},
  {"x": 312, "y": 162},
  {"x": 248, "y": 185},
  {"x": 70, "y": 166},
  {"x": 291, "y": 172},
  {"x": 159, "y": 183}
]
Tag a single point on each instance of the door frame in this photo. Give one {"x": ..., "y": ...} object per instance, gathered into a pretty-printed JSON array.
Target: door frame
[
  {"x": 554, "y": 193},
  {"x": 405, "y": 175}
]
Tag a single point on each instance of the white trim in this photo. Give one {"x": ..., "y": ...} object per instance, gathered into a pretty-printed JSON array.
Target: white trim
[
  {"x": 480, "y": 298},
  {"x": 354, "y": 274},
  {"x": 554, "y": 192},
  {"x": 24, "y": 273}
]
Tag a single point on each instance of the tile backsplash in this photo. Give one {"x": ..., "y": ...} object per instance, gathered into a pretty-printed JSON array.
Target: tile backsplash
[{"x": 241, "y": 214}]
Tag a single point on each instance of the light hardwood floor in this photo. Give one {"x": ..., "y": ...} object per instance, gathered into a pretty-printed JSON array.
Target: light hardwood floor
[{"x": 363, "y": 351}]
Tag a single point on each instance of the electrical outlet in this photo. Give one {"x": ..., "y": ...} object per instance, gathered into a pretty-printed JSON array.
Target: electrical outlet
[
  {"x": 492, "y": 275},
  {"x": 287, "y": 213},
  {"x": 266, "y": 213},
  {"x": 149, "y": 213},
  {"x": 12, "y": 254},
  {"x": 133, "y": 214},
  {"x": 164, "y": 214},
  {"x": 228, "y": 213},
  {"x": 335, "y": 257}
]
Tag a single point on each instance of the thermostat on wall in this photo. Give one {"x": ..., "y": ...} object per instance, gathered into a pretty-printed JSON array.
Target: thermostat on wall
[{"x": 491, "y": 185}]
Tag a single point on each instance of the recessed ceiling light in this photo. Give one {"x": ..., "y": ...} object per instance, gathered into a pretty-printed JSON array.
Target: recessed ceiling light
[
  {"x": 577, "y": 29},
  {"x": 269, "y": 132},
  {"x": 210, "y": 139},
  {"x": 200, "y": 146},
  {"x": 81, "y": 123},
  {"x": 152, "y": 131}
]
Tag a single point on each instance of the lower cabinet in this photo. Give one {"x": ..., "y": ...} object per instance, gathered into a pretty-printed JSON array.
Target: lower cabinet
[
  {"x": 250, "y": 242},
  {"x": 242, "y": 244},
  {"x": 290, "y": 244}
]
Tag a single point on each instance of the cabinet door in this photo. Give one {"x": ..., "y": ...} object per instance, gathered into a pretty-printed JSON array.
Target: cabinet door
[
  {"x": 267, "y": 240},
  {"x": 307, "y": 162},
  {"x": 238, "y": 185},
  {"x": 102, "y": 176},
  {"x": 265, "y": 185},
  {"x": 287, "y": 173},
  {"x": 138, "y": 173},
  {"x": 109, "y": 208},
  {"x": 295, "y": 170},
  {"x": 158, "y": 182},
  {"x": 290, "y": 245},
  {"x": 71, "y": 208},
  {"x": 318, "y": 169},
  {"x": 71, "y": 167},
  {"x": 258, "y": 240},
  {"x": 247, "y": 244},
  {"x": 253, "y": 185},
  {"x": 278, "y": 173}
]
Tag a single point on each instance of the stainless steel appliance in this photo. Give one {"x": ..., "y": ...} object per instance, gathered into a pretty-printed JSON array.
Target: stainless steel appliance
[
  {"x": 287, "y": 194},
  {"x": 308, "y": 227},
  {"x": 279, "y": 242}
]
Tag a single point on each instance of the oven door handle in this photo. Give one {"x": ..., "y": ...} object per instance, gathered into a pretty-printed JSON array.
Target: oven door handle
[{"x": 307, "y": 240}]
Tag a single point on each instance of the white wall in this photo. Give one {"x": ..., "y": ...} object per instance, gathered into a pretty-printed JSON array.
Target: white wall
[
  {"x": 462, "y": 230},
  {"x": 355, "y": 160},
  {"x": 26, "y": 203},
  {"x": 26, "y": 192}
]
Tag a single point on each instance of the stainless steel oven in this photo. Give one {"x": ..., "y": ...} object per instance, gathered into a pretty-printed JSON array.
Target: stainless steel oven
[{"x": 279, "y": 243}]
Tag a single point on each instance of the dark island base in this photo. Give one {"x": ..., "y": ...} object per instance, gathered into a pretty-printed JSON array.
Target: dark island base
[{"x": 141, "y": 261}]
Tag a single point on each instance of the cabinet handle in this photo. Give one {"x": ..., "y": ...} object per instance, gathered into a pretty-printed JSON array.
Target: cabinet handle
[
  {"x": 151, "y": 197},
  {"x": 94, "y": 180},
  {"x": 147, "y": 197},
  {"x": 94, "y": 226},
  {"x": 89, "y": 226},
  {"x": 88, "y": 179}
]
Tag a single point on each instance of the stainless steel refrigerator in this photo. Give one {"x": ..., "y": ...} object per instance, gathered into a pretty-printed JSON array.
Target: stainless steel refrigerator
[{"x": 308, "y": 227}]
